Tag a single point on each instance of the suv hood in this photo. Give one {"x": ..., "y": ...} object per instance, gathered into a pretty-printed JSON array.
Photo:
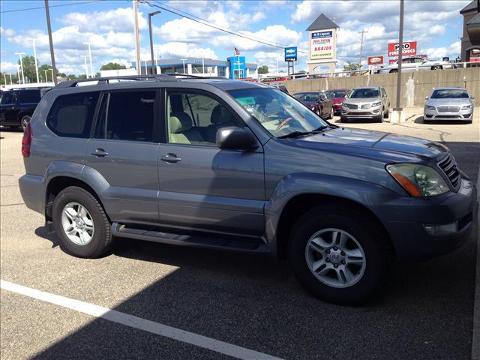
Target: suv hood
[{"x": 379, "y": 144}]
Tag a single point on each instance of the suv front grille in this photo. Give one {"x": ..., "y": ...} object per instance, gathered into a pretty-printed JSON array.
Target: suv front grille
[
  {"x": 449, "y": 167},
  {"x": 351, "y": 106}
]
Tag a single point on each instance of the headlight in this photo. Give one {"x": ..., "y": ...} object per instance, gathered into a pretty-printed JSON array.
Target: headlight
[
  {"x": 377, "y": 104},
  {"x": 466, "y": 107},
  {"x": 418, "y": 180},
  {"x": 428, "y": 107},
  {"x": 313, "y": 108}
]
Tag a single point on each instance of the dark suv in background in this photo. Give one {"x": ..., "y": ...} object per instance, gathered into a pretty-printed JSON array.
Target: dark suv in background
[
  {"x": 240, "y": 166},
  {"x": 17, "y": 106}
]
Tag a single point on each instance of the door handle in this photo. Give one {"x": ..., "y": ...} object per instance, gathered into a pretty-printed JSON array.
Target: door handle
[
  {"x": 171, "y": 158},
  {"x": 100, "y": 153}
]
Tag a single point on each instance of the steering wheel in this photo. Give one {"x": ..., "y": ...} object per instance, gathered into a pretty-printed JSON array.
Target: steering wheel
[{"x": 284, "y": 122}]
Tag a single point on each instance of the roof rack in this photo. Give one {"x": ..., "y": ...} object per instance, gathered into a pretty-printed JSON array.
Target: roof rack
[{"x": 153, "y": 77}]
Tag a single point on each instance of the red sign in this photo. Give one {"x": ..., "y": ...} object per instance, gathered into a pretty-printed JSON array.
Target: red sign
[
  {"x": 390, "y": 61},
  {"x": 409, "y": 49},
  {"x": 375, "y": 60}
]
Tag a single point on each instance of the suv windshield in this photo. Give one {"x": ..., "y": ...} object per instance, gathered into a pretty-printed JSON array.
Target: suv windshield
[
  {"x": 335, "y": 94},
  {"x": 449, "y": 94},
  {"x": 278, "y": 113},
  {"x": 364, "y": 93}
]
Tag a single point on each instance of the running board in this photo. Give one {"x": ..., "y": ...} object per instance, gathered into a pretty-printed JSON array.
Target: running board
[{"x": 212, "y": 241}]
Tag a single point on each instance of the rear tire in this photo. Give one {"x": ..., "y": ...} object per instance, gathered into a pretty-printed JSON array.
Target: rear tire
[
  {"x": 97, "y": 240},
  {"x": 364, "y": 234},
  {"x": 25, "y": 121},
  {"x": 386, "y": 114}
]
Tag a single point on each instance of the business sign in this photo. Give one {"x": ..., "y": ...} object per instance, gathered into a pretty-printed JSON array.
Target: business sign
[
  {"x": 321, "y": 45},
  {"x": 237, "y": 67},
  {"x": 291, "y": 53},
  {"x": 474, "y": 56},
  {"x": 409, "y": 48},
  {"x": 375, "y": 60}
]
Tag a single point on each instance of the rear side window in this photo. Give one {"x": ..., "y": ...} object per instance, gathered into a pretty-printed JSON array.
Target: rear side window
[
  {"x": 129, "y": 115},
  {"x": 8, "y": 97},
  {"x": 72, "y": 115},
  {"x": 29, "y": 96}
]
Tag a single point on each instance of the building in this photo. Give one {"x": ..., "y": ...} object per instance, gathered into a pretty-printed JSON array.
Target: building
[
  {"x": 322, "y": 54},
  {"x": 202, "y": 67},
  {"x": 471, "y": 32}
]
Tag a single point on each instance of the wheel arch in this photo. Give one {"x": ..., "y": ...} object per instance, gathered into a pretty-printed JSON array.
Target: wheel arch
[
  {"x": 298, "y": 205},
  {"x": 57, "y": 184}
]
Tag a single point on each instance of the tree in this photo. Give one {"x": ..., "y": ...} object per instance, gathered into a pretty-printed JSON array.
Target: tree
[
  {"x": 263, "y": 69},
  {"x": 112, "y": 66},
  {"x": 351, "y": 66},
  {"x": 28, "y": 64}
]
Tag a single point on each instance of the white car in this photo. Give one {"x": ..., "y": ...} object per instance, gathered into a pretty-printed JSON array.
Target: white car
[{"x": 416, "y": 63}]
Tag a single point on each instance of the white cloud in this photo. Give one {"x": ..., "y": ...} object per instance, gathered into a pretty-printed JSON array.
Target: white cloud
[
  {"x": 8, "y": 67},
  {"x": 453, "y": 50},
  {"x": 181, "y": 49}
]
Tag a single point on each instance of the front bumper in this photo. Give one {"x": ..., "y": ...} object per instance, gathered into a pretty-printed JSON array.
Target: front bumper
[
  {"x": 362, "y": 113},
  {"x": 461, "y": 115},
  {"x": 409, "y": 222}
]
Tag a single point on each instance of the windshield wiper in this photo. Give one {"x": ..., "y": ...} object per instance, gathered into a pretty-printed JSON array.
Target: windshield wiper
[
  {"x": 320, "y": 129},
  {"x": 294, "y": 134}
]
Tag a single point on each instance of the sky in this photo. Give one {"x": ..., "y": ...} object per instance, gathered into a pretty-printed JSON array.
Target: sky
[{"x": 108, "y": 26}]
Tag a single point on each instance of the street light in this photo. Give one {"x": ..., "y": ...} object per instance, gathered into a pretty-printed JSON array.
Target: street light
[
  {"x": 21, "y": 65},
  {"x": 46, "y": 78},
  {"x": 90, "y": 56},
  {"x": 35, "y": 58},
  {"x": 154, "y": 70},
  {"x": 183, "y": 62}
]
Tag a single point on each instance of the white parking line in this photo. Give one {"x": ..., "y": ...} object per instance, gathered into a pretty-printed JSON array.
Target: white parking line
[
  {"x": 137, "y": 322},
  {"x": 476, "y": 299}
]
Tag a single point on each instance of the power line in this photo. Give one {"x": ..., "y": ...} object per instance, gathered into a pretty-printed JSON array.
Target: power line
[
  {"x": 199, "y": 20},
  {"x": 51, "y": 6}
]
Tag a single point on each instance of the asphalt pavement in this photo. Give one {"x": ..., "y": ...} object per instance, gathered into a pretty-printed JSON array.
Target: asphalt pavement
[{"x": 424, "y": 311}]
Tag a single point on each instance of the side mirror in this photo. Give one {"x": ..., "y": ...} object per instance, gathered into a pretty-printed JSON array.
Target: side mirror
[{"x": 235, "y": 138}]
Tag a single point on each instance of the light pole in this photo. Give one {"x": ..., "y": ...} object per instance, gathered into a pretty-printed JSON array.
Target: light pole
[
  {"x": 137, "y": 37},
  {"x": 46, "y": 78},
  {"x": 86, "y": 66},
  {"x": 35, "y": 58},
  {"x": 21, "y": 65},
  {"x": 154, "y": 69},
  {"x": 183, "y": 62},
  {"x": 10, "y": 79},
  {"x": 52, "y": 75},
  {"x": 90, "y": 57}
]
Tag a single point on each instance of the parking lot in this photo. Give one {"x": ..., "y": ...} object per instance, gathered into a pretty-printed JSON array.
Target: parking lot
[{"x": 252, "y": 304}]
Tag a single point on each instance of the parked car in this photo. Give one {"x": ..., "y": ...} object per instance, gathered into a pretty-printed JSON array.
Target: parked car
[
  {"x": 415, "y": 63},
  {"x": 17, "y": 106},
  {"x": 452, "y": 103},
  {"x": 366, "y": 103},
  {"x": 240, "y": 166},
  {"x": 337, "y": 97},
  {"x": 317, "y": 101}
]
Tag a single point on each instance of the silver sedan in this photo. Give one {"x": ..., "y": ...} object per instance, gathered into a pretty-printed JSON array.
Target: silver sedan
[{"x": 449, "y": 104}]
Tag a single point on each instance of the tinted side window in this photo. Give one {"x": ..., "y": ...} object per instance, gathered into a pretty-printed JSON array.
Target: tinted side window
[
  {"x": 72, "y": 115},
  {"x": 8, "y": 97},
  {"x": 130, "y": 116},
  {"x": 29, "y": 96}
]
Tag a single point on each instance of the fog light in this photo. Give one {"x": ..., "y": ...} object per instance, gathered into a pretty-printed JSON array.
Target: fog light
[{"x": 440, "y": 230}]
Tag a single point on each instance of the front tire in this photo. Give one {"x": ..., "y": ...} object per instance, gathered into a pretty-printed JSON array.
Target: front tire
[
  {"x": 339, "y": 255},
  {"x": 81, "y": 223}
]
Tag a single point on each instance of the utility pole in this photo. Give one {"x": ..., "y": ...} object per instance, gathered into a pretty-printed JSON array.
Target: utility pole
[
  {"x": 137, "y": 36},
  {"x": 21, "y": 65},
  {"x": 361, "y": 46},
  {"x": 154, "y": 68},
  {"x": 400, "y": 53},
  {"x": 35, "y": 58},
  {"x": 52, "y": 54}
]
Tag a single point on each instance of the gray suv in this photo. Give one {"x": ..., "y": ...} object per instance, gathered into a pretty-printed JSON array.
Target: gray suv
[
  {"x": 366, "y": 103},
  {"x": 239, "y": 166}
]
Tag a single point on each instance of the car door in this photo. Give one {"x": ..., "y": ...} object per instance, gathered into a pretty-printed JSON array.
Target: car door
[
  {"x": 202, "y": 186},
  {"x": 124, "y": 151}
]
